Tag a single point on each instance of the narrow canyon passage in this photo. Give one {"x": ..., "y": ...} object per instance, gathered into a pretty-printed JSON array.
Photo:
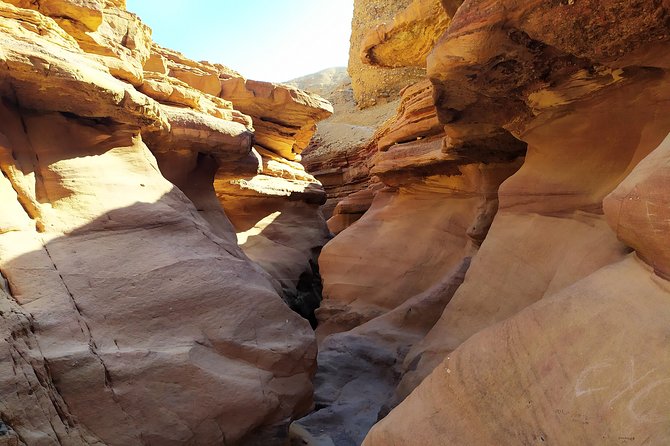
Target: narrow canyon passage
[{"x": 462, "y": 238}]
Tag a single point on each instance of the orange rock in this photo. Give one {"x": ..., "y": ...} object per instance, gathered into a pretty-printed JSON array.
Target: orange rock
[
  {"x": 351, "y": 209},
  {"x": 284, "y": 117},
  {"x": 103, "y": 29},
  {"x": 122, "y": 334},
  {"x": 376, "y": 85},
  {"x": 39, "y": 55},
  {"x": 416, "y": 117},
  {"x": 274, "y": 206},
  {"x": 223, "y": 158},
  {"x": 361, "y": 285},
  {"x": 202, "y": 76},
  {"x": 573, "y": 360},
  {"x": 340, "y": 151},
  {"x": 408, "y": 39}
]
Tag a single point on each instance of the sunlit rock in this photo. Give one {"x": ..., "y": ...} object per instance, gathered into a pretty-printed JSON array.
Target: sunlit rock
[
  {"x": 407, "y": 40},
  {"x": 372, "y": 85},
  {"x": 130, "y": 314},
  {"x": 555, "y": 321}
]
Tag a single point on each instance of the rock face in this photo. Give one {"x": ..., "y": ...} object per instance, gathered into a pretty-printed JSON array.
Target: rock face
[
  {"x": 502, "y": 298},
  {"x": 372, "y": 85},
  {"x": 388, "y": 55},
  {"x": 381, "y": 300},
  {"x": 527, "y": 345},
  {"x": 129, "y": 314},
  {"x": 407, "y": 40},
  {"x": 340, "y": 152},
  {"x": 255, "y": 180},
  {"x": 502, "y": 264}
]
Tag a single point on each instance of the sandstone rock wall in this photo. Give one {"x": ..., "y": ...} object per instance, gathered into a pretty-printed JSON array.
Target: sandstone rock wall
[
  {"x": 374, "y": 85},
  {"x": 388, "y": 275},
  {"x": 260, "y": 179},
  {"x": 551, "y": 300},
  {"x": 339, "y": 154},
  {"x": 588, "y": 104},
  {"x": 501, "y": 270},
  {"x": 345, "y": 148},
  {"x": 129, "y": 313}
]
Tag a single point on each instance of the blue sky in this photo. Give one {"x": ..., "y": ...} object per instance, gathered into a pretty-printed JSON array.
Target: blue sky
[{"x": 271, "y": 40}]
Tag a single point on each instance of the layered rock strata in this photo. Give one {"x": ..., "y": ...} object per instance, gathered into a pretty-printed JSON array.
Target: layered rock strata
[
  {"x": 531, "y": 327},
  {"x": 388, "y": 276},
  {"x": 387, "y": 55},
  {"x": 339, "y": 154},
  {"x": 553, "y": 322},
  {"x": 257, "y": 178},
  {"x": 343, "y": 152},
  {"x": 129, "y": 313}
]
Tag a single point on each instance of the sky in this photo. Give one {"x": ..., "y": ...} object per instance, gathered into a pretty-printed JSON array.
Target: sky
[{"x": 269, "y": 40}]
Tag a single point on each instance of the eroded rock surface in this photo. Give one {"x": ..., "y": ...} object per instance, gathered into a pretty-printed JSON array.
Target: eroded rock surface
[
  {"x": 340, "y": 152},
  {"x": 500, "y": 273},
  {"x": 586, "y": 99},
  {"x": 388, "y": 274},
  {"x": 372, "y": 85},
  {"x": 551, "y": 296},
  {"x": 129, "y": 313},
  {"x": 407, "y": 40}
]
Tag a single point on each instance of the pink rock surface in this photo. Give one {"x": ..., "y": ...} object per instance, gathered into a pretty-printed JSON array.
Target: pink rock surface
[{"x": 129, "y": 314}]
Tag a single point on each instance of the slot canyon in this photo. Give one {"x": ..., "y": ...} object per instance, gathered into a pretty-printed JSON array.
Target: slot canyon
[{"x": 462, "y": 238}]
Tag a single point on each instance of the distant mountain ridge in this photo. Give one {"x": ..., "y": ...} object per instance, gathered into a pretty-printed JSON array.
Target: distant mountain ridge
[{"x": 322, "y": 82}]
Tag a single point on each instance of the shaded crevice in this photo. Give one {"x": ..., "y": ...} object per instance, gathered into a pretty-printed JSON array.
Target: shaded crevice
[
  {"x": 6, "y": 430},
  {"x": 30, "y": 208},
  {"x": 309, "y": 291},
  {"x": 6, "y": 286}
]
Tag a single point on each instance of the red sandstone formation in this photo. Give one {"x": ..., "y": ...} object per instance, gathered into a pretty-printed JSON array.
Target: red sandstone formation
[
  {"x": 340, "y": 155},
  {"x": 128, "y": 312},
  {"x": 556, "y": 333},
  {"x": 500, "y": 272}
]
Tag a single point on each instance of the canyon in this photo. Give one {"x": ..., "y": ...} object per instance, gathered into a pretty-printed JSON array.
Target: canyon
[{"x": 464, "y": 240}]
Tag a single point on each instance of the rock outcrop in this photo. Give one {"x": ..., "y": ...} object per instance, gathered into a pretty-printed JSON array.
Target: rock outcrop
[
  {"x": 271, "y": 201},
  {"x": 374, "y": 85},
  {"x": 429, "y": 211},
  {"x": 129, "y": 313},
  {"x": 500, "y": 273},
  {"x": 407, "y": 40},
  {"x": 387, "y": 63},
  {"x": 550, "y": 326},
  {"x": 340, "y": 152}
]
